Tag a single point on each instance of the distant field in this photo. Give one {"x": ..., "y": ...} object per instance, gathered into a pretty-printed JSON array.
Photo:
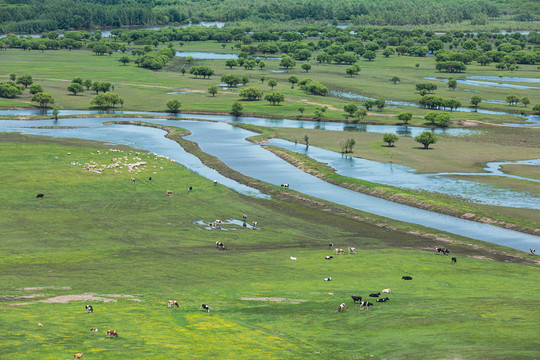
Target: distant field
[{"x": 103, "y": 235}]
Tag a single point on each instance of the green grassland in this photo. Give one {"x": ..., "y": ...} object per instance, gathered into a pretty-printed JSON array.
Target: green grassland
[{"x": 103, "y": 235}]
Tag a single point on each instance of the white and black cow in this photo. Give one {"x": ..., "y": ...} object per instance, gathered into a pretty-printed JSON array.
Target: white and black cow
[{"x": 88, "y": 309}]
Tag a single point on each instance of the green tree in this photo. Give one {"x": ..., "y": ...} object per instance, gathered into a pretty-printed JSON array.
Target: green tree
[
  {"x": 452, "y": 84},
  {"x": 319, "y": 111},
  {"x": 275, "y": 98},
  {"x": 190, "y": 59},
  {"x": 262, "y": 78},
  {"x": 405, "y": 116},
  {"x": 232, "y": 80},
  {"x": 390, "y": 138},
  {"x": 525, "y": 101},
  {"x": 25, "y": 80},
  {"x": 213, "y": 89},
  {"x": 124, "y": 60},
  {"x": 306, "y": 67},
  {"x": 512, "y": 99},
  {"x": 43, "y": 98},
  {"x": 88, "y": 84},
  {"x": 301, "y": 110},
  {"x": 77, "y": 80},
  {"x": 350, "y": 109},
  {"x": 360, "y": 114},
  {"x": 369, "y": 55},
  {"x": 368, "y": 104},
  {"x": 251, "y": 94},
  {"x": 12, "y": 76},
  {"x": 55, "y": 112},
  {"x": 395, "y": 79},
  {"x": 380, "y": 103},
  {"x": 35, "y": 88},
  {"x": 352, "y": 70},
  {"x": 8, "y": 89},
  {"x": 75, "y": 88},
  {"x": 417, "y": 65},
  {"x": 431, "y": 116},
  {"x": 536, "y": 108},
  {"x": 475, "y": 100},
  {"x": 426, "y": 138},
  {"x": 293, "y": 79},
  {"x": 42, "y": 47},
  {"x": 442, "y": 119},
  {"x": 261, "y": 64},
  {"x": 272, "y": 83},
  {"x": 231, "y": 63},
  {"x": 237, "y": 108},
  {"x": 100, "y": 49},
  {"x": 174, "y": 105},
  {"x": 183, "y": 70},
  {"x": 287, "y": 62}
]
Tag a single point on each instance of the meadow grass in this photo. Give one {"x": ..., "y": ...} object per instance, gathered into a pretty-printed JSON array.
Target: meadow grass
[{"x": 104, "y": 235}]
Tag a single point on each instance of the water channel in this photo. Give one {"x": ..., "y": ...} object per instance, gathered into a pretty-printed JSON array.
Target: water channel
[{"x": 228, "y": 143}]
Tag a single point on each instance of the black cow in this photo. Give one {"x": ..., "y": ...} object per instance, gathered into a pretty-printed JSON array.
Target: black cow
[
  {"x": 150, "y": 178},
  {"x": 454, "y": 260},
  {"x": 375, "y": 295},
  {"x": 443, "y": 251},
  {"x": 365, "y": 303},
  {"x": 205, "y": 307},
  {"x": 406, "y": 278},
  {"x": 40, "y": 196},
  {"x": 328, "y": 279},
  {"x": 190, "y": 188},
  {"x": 385, "y": 299},
  {"x": 285, "y": 185},
  {"x": 88, "y": 309},
  {"x": 356, "y": 298},
  {"x": 328, "y": 257},
  {"x": 330, "y": 245}
]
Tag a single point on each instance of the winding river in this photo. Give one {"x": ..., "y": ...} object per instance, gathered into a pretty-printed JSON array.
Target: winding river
[{"x": 228, "y": 144}]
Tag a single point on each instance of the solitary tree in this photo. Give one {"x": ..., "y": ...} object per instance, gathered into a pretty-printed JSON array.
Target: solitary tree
[
  {"x": 124, "y": 59},
  {"x": 261, "y": 64},
  {"x": 237, "y": 108},
  {"x": 369, "y": 104},
  {"x": 452, "y": 84},
  {"x": 262, "y": 78},
  {"x": 293, "y": 79},
  {"x": 395, "y": 79},
  {"x": 75, "y": 88},
  {"x": 190, "y": 59},
  {"x": 405, "y": 116},
  {"x": 213, "y": 89},
  {"x": 55, "y": 112},
  {"x": 174, "y": 105},
  {"x": 475, "y": 100},
  {"x": 390, "y": 138},
  {"x": 350, "y": 109},
  {"x": 272, "y": 83},
  {"x": 183, "y": 70},
  {"x": 287, "y": 62},
  {"x": 306, "y": 67},
  {"x": 231, "y": 63},
  {"x": 426, "y": 138},
  {"x": 301, "y": 110},
  {"x": 44, "y": 99},
  {"x": 525, "y": 101}
]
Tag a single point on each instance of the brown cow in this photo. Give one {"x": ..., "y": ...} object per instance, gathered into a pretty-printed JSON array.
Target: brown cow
[
  {"x": 78, "y": 355},
  {"x": 111, "y": 333},
  {"x": 173, "y": 302},
  {"x": 133, "y": 180},
  {"x": 169, "y": 192}
]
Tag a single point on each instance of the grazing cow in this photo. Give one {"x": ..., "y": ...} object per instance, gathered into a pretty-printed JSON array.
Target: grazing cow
[
  {"x": 215, "y": 182},
  {"x": 94, "y": 329},
  {"x": 340, "y": 251},
  {"x": 218, "y": 244},
  {"x": 218, "y": 222},
  {"x": 328, "y": 279},
  {"x": 169, "y": 192},
  {"x": 88, "y": 309},
  {"x": 244, "y": 224},
  {"x": 356, "y": 298},
  {"x": 454, "y": 260},
  {"x": 206, "y": 307},
  {"x": 172, "y": 303},
  {"x": 443, "y": 251},
  {"x": 111, "y": 333},
  {"x": 39, "y": 324},
  {"x": 365, "y": 303},
  {"x": 244, "y": 216},
  {"x": 341, "y": 308},
  {"x": 385, "y": 299},
  {"x": 406, "y": 278},
  {"x": 351, "y": 250},
  {"x": 254, "y": 224},
  {"x": 375, "y": 295},
  {"x": 328, "y": 257},
  {"x": 292, "y": 258},
  {"x": 330, "y": 245},
  {"x": 40, "y": 196},
  {"x": 222, "y": 247},
  {"x": 386, "y": 291},
  {"x": 78, "y": 356},
  {"x": 533, "y": 251},
  {"x": 285, "y": 185},
  {"x": 150, "y": 178},
  {"x": 190, "y": 188},
  {"x": 133, "y": 180}
]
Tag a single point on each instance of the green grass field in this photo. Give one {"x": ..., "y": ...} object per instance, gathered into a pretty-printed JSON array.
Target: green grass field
[{"x": 103, "y": 235}]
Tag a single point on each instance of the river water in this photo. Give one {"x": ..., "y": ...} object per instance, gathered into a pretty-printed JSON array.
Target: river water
[{"x": 228, "y": 143}]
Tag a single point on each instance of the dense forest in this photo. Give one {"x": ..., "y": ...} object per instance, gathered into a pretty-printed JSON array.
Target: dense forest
[{"x": 36, "y": 16}]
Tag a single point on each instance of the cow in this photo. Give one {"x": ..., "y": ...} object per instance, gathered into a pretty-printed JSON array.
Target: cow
[
  {"x": 218, "y": 244},
  {"x": 169, "y": 192},
  {"x": 365, "y": 303},
  {"x": 244, "y": 216},
  {"x": 386, "y": 291},
  {"x": 190, "y": 188},
  {"x": 132, "y": 180},
  {"x": 328, "y": 279},
  {"x": 340, "y": 251},
  {"x": 218, "y": 222},
  {"x": 330, "y": 245},
  {"x": 244, "y": 224},
  {"x": 40, "y": 324},
  {"x": 351, "y": 250},
  {"x": 443, "y": 251},
  {"x": 88, "y": 309},
  {"x": 533, "y": 251},
  {"x": 150, "y": 178},
  {"x": 94, "y": 329},
  {"x": 406, "y": 278},
  {"x": 375, "y": 295},
  {"x": 215, "y": 182},
  {"x": 454, "y": 260},
  {"x": 285, "y": 185},
  {"x": 292, "y": 258},
  {"x": 111, "y": 333},
  {"x": 222, "y": 247},
  {"x": 341, "y": 308},
  {"x": 40, "y": 196},
  {"x": 356, "y": 298},
  {"x": 254, "y": 224},
  {"x": 172, "y": 303},
  {"x": 328, "y": 257},
  {"x": 78, "y": 356},
  {"x": 206, "y": 307},
  {"x": 385, "y": 299}
]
